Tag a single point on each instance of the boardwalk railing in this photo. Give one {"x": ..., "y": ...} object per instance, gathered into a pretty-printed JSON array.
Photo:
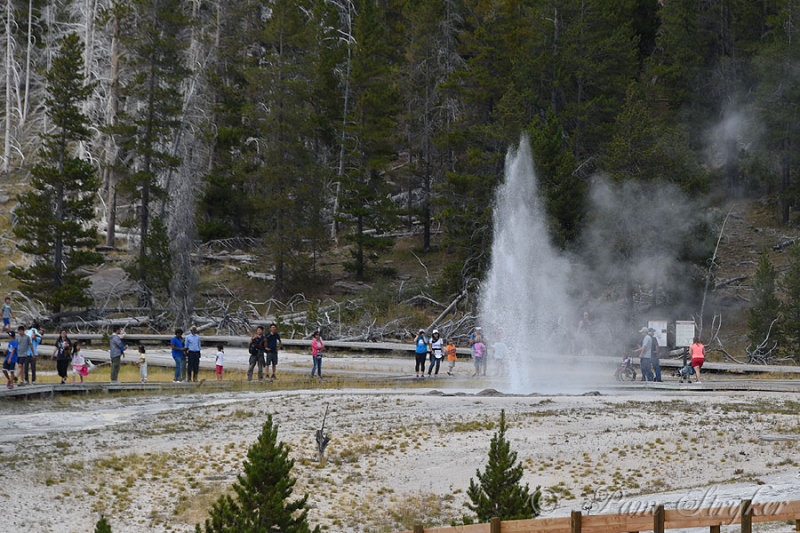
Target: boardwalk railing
[{"x": 657, "y": 520}]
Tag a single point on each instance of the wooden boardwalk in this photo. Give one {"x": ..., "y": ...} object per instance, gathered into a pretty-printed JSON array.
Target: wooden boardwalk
[
  {"x": 397, "y": 348},
  {"x": 48, "y": 390}
]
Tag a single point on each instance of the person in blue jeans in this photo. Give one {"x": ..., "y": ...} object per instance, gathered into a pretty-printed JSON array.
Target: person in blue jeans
[
  {"x": 645, "y": 352},
  {"x": 317, "y": 347},
  {"x": 654, "y": 355},
  {"x": 178, "y": 350}
]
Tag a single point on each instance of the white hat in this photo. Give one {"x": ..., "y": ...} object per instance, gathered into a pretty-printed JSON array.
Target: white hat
[
  {"x": 436, "y": 331},
  {"x": 477, "y": 328},
  {"x": 643, "y": 330}
]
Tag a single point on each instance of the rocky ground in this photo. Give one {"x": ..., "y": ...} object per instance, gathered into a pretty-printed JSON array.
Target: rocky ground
[{"x": 397, "y": 456}]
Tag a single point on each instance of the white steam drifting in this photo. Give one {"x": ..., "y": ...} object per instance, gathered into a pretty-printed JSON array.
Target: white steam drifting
[{"x": 639, "y": 240}]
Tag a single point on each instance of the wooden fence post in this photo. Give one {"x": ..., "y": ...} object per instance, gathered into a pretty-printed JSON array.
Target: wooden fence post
[
  {"x": 713, "y": 529},
  {"x": 747, "y": 516},
  {"x": 797, "y": 525},
  {"x": 419, "y": 529},
  {"x": 494, "y": 525},
  {"x": 575, "y": 522},
  {"x": 658, "y": 519}
]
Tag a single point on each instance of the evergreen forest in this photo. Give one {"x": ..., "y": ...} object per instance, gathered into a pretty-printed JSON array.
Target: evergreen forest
[{"x": 304, "y": 130}]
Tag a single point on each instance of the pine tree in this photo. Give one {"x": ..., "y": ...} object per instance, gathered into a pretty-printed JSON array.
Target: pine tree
[
  {"x": 498, "y": 492},
  {"x": 102, "y": 526},
  {"x": 791, "y": 307},
  {"x": 777, "y": 94},
  {"x": 430, "y": 60},
  {"x": 262, "y": 493},
  {"x": 563, "y": 190},
  {"x": 156, "y": 266},
  {"x": 54, "y": 218},
  {"x": 155, "y": 40},
  {"x": 365, "y": 188},
  {"x": 232, "y": 203},
  {"x": 765, "y": 306},
  {"x": 280, "y": 90}
]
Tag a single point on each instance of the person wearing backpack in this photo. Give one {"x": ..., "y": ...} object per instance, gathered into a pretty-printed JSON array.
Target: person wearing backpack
[{"x": 437, "y": 352}]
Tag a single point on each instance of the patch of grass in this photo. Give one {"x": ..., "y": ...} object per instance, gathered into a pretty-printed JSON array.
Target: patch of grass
[{"x": 472, "y": 425}]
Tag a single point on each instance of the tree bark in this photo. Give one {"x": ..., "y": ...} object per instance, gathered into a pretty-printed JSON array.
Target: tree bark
[
  {"x": 9, "y": 58},
  {"x": 109, "y": 171},
  {"x": 24, "y": 113},
  {"x": 348, "y": 14}
]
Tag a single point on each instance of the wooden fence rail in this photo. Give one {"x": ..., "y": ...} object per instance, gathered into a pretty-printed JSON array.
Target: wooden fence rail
[{"x": 657, "y": 520}]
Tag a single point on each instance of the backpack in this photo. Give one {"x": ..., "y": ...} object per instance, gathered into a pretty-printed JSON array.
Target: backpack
[
  {"x": 256, "y": 346},
  {"x": 653, "y": 346}
]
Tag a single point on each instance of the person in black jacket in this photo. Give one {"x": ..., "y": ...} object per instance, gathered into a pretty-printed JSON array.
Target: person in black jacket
[
  {"x": 257, "y": 348},
  {"x": 62, "y": 353}
]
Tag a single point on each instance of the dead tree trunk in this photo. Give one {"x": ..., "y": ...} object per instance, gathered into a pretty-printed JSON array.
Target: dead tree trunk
[{"x": 9, "y": 62}]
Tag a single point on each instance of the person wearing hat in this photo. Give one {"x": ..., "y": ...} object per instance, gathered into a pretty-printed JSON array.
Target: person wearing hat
[
  {"x": 421, "y": 343},
  {"x": 645, "y": 355},
  {"x": 437, "y": 351}
]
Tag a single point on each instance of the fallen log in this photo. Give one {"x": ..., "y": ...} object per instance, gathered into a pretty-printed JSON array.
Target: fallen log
[
  {"x": 448, "y": 309},
  {"x": 726, "y": 282},
  {"x": 785, "y": 243},
  {"x": 108, "y": 323}
]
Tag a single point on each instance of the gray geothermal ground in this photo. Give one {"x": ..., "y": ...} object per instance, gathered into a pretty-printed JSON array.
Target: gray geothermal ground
[{"x": 398, "y": 455}]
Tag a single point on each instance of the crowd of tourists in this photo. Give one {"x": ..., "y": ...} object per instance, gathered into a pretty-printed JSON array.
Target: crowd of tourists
[{"x": 20, "y": 358}]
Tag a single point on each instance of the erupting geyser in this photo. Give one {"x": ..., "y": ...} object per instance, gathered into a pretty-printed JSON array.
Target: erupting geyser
[{"x": 525, "y": 302}]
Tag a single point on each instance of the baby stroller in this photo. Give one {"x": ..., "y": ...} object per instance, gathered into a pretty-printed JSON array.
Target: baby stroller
[
  {"x": 625, "y": 371},
  {"x": 686, "y": 371}
]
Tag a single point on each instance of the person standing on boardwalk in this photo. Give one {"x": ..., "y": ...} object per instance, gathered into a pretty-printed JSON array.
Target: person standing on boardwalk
[
  {"x": 142, "y": 364},
  {"x": 192, "y": 354},
  {"x": 437, "y": 352},
  {"x": 117, "y": 352},
  {"x": 645, "y": 352},
  {"x": 273, "y": 345},
  {"x": 256, "y": 348},
  {"x": 421, "y": 350},
  {"x": 10, "y": 362},
  {"x": 62, "y": 353},
  {"x": 698, "y": 353},
  {"x": 478, "y": 354},
  {"x": 452, "y": 356},
  {"x": 220, "y": 361},
  {"x": 78, "y": 363},
  {"x": 33, "y": 351},
  {"x": 23, "y": 348},
  {"x": 654, "y": 357},
  {"x": 178, "y": 352},
  {"x": 8, "y": 314},
  {"x": 474, "y": 338},
  {"x": 317, "y": 347}
]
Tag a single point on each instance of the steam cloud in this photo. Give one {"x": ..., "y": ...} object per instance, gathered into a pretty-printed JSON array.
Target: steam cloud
[{"x": 638, "y": 241}]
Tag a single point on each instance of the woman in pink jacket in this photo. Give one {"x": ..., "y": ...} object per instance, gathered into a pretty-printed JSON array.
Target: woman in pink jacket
[{"x": 317, "y": 347}]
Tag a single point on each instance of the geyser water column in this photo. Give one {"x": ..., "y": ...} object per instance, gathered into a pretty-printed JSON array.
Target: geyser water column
[{"x": 524, "y": 301}]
